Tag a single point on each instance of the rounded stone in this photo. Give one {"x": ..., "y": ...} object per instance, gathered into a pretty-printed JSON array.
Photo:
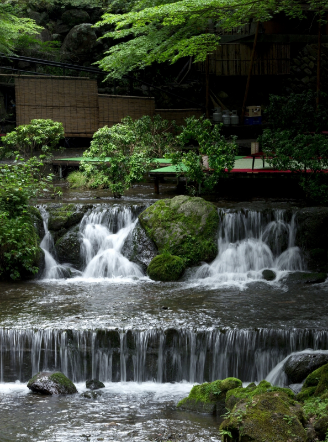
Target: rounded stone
[
  {"x": 268, "y": 275},
  {"x": 94, "y": 384},
  {"x": 298, "y": 367},
  {"x": 166, "y": 268},
  {"x": 51, "y": 383},
  {"x": 73, "y": 17}
]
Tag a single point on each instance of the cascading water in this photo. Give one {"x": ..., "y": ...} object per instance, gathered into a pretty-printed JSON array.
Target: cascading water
[
  {"x": 248, "y": 243},
  {"x": 52, "y": 269},
  {"x": 103, "y": 233},
  {"x": 171, "y": 355}
]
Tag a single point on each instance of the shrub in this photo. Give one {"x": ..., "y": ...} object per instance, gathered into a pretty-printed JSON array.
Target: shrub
[{"x": 43, "y": 135}]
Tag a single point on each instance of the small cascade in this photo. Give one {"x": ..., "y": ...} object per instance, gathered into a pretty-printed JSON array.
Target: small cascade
[
  {"x": 103, "y": 233},
  {"x": 249, "y": 242},
  {"x": 157, "y": 355},
  {"x": 52, "y": 269}
]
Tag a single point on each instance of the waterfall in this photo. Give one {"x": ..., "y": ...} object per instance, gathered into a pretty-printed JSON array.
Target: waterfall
[
  {"x": 52, "y": 269},
  {"x": 103, "y": 233},
  {"x": 249, "y": 242},
  {"x": 158, "y": 355}
]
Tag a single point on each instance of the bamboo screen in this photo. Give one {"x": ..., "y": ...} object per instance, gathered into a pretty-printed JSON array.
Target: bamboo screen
[
  {"x": 71, "y": 101},
  {"x": 112, "y": 108},
  {"x": 178, "y": 115},
  {"x": 234, "y": 59}
]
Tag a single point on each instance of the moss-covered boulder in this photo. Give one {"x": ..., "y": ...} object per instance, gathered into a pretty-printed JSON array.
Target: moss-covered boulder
[
  {"x": 271, "y": 416},
  {"x": 298, "y": 367},
  {"x": 51, "y": 383},
  {"x": 166, "y": 267},
  {"x": 306, "y": 278},
  {"x": 183, "y": 226},
  {"x": 209, "y": 397},
  {"x": 316, "y": 384},
  {"x": 64, "y": 216}
]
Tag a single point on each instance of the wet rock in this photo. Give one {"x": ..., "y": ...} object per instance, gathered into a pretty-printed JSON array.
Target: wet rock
[
  {"x": 79, "y": 42},
  {"x": 183, "y": 226},
  {"x": 51, "y": 383},
  {"x": 139, "y": 248},
  {"x": 298, "y": 367},
  {"x": 268, "y": 275},
  {"x": 73, "y": 17},
  {"x": 306, "y": 277},
  {"x": 91, "y": 394},
  {"x": 166, "y": 267},
  {"x": 37, "y": 220},
  {"x": 94, "y": 384},
  {"x": 68, "y": 248},
  {"x": 63, "y": 216},
  {"x": 209, "y": 397},
  {"x": 321, "y": 427}
]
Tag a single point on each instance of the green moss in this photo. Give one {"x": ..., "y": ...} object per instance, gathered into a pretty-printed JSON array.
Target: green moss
[
  {"x": 269, "y": 416},
  {"x": 315, "y": 384},
  {"x": 64, "y": 382},
  {"x": 166, "y": 267},
  {"x": 33, "y": 379},
  {"x": 210, "y": 392},
  {"x": 306, "y": 393},
  {"x": 183, "y": 226}
]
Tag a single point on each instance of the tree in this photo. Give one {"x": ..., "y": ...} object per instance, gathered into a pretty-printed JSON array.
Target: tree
[
  {"x": 13, "y": 26},
  {"x": 167, "y": 30}
]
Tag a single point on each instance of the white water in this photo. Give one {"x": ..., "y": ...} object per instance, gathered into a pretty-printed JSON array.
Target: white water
[
  {"x": 52, "y": 269},
  {"x": 250, "y": 242}
]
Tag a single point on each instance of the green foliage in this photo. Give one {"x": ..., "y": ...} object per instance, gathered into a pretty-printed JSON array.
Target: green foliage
[
  {"x": 43, "y": 135},
  {"x": 19, "y": 244},
  {"x": 167, "y": 30},
  {"x": 129, "y": 147},
  {"x": 13, "y": 27},
  {"x": 77, "y": 180},
  {"x": 219, "y": 153},
  {"x": 297, "y": 113},
  {"x": 304, "y": 154}
]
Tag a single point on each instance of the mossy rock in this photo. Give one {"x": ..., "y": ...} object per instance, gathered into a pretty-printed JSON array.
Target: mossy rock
[
  {"x": 63, "y": 216},
  {"x": 239, "y": 394},
  {"x": 183, "y": 226},
  {"x": 306, "y": 277},
  {"x": 209, "y": 397},
  {"x": 166, "y": 267},
  {"x": 298, "y": 367},
  {"x": 272, "y": 416},
  {"x": 94, "y": 384},
  {"x": 319, "y": 379},
  {"x": 68, "y": 248},
  {"x": 51, "y": 383}
]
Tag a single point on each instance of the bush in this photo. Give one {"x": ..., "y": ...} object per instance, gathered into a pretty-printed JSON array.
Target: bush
[{"x": 43, "y": 135}]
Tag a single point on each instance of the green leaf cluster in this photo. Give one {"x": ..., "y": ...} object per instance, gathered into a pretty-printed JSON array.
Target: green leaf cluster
[
  {"x": 206, "y": 164},
  {"x": 41, "y": 135}
]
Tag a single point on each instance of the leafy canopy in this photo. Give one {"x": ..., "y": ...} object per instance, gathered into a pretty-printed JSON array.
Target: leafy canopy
[
  {"x": 13, "y": 27},
  {"x": 167, "y": 30}
]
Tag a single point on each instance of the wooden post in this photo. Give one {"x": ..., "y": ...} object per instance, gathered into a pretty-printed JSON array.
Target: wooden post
[
  {"x": 318, "y": 64},
  {"x": 250, "y": 72},
  {"x": 207, "y": 75}
]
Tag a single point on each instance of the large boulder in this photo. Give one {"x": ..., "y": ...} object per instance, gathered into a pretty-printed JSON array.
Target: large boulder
[
  {"x": 166, "y": 267},
  {"x": 263, "y": 413},
  {"x": 316, "y": 384},
  {"x": 298, "y": 367},
  {"x": 209, "y": 397},
  {"x": 73, "y": 17},
  {"x": 306, "y": 278},
  {"x": 183, "y": 226},
  {"x": 51, "y": 383},
  {"x": 79, "y": 42},
  {"x": 68, "y": 248},
  {"x": 138, "y": 247}
]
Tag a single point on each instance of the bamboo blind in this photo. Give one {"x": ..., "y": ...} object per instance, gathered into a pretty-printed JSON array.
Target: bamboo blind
[
  {"x": 71, "y": 101},
  {"x": 112, "y": 108},
  {"x": 234, "y": 59},
  {"x": 178, "y": 115}
]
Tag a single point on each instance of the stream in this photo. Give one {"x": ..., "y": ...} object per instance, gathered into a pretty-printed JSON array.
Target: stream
[{"x": 149, "y": 342}]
